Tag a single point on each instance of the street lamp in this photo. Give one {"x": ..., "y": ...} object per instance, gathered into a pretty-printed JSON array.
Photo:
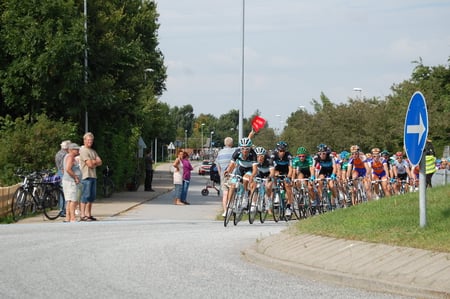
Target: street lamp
[
  {"x": 358, "y": 90},
  {"x": 201, "y": 148},
  {"x": 241, "y": 111},
  {"x": 185, "y": 139},
  {"x": 149, "y": 70},
  {"x": 86, "y": 117},
  {"x": 279, "y": 124},
  {"x": 210, "y": 146}
]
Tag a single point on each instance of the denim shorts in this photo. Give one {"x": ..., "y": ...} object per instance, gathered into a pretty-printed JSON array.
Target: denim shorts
[
  {"x": 89, "y": 190},
  {"x": 178, "y": 189}
]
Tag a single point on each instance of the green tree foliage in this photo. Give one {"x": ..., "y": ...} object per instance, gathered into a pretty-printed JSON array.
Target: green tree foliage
[
  {"x": 31, "y": 146},
  {"x": 375, "y": 122}
]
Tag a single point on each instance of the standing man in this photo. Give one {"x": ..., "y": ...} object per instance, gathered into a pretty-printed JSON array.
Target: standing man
[
  {"x": 59, "y": 160},
  {"x": 149, "y": 171},
  {"x": 89, "y": 161},
  {"x": 222, "y": 161}
]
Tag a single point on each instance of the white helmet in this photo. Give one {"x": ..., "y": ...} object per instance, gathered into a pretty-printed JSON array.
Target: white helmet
[{"x": 260, "y": 151}]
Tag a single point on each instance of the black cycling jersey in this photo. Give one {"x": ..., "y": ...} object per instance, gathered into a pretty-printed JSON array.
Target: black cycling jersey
[
  {"x": 281, "y": 164},
  {"x": 264, "y": 168},
  {"x": 325, "y": 166},
  {"x": 243, "y": 165}
]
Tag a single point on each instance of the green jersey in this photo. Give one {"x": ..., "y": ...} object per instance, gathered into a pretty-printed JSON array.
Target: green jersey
[{"x": 299, "y": 164}]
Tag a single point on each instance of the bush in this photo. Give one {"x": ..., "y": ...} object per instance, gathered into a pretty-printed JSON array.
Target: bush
[{"x": 31, "y": 144}]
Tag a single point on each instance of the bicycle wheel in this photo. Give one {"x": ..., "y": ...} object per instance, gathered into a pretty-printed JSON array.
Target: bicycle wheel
[
  {"x": 276, "y": 207},
  {"x": 18, "y": 204},
  {"x": 50, "y": 203},
  {"x": 108, "y": 187},
  {"x": 239, "y": 209},
  {"x": 230, "y": 207},
  {"x": 263, "y": 206},
  {"x": 297, "y": 204},
  {"x": 253, "y": 206}
]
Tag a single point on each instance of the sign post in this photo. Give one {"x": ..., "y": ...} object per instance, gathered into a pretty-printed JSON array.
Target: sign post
[{"x": 414, "y": 138}]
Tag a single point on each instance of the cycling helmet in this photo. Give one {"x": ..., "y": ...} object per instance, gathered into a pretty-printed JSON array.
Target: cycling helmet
[
  {"x": 344, "y": 155},
  {"x": 246, "y": 142},
  {"x": 322, "y": 148},
  {"x": 385, "y": 153},
  {"x": 302, "y": 151},
  {"x": 282, "y": 146},
  {"x": 354, "y": 148},
  {"x": 260, "y": 151},
  {"x": 375, "y": 151}
]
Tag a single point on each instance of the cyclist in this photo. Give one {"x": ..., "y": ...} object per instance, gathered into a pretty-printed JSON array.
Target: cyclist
[
  {"x": 402, "y": 171},
  {"x": 263, "y": 168},
  {"x": 325, "y": 167},
  {"x": 380, "y": 170},
  {"x": 281, "y": 160},
  {"x": 358, "y": 167},
  {"x": 303, "y": 167},
  {"x": 242, "y": 164},
  {"x": 341, "y": 166}
]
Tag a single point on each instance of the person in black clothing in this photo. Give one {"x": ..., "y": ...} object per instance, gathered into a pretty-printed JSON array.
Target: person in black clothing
[{"x": 149, "y": 171}]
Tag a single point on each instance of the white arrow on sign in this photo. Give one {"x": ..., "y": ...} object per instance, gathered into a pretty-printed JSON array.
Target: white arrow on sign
[{"x": 416, "y": 129}]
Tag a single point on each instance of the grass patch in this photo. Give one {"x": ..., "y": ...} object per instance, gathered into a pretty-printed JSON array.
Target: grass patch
[{"x": 393, "y": 221}]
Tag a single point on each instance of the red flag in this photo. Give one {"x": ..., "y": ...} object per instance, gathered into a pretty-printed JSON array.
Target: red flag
[{"x": 258, "y": 123}]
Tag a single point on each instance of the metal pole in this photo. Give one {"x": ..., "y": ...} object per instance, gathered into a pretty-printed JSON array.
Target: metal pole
[
  {"x": 422, "y": 193},
  {"x": 86, "y": 117},
  {"x": 241, "y": 111}
]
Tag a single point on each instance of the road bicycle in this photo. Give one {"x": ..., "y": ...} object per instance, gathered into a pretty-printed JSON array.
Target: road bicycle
[
  {"x": 359, "y": 194},
  {"x": 302, "y": 204},
  {"x": 108, "y": 183},
  {"x": 258, "y": 202},
  {"x": 325, "y": 204},
  {"x": 235, "y": 205},
  {"x": 279, "y": 200},
  {"x": 37, "y": 192}
]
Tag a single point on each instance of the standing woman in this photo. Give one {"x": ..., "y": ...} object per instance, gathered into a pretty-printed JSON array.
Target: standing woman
[
  {"x": 187, "y": 168},
  {"x": 178, "y": 178},
  {"x": 71, "y": 181}
]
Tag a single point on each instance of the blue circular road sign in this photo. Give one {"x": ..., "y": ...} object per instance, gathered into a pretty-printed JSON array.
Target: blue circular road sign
[{"x": 416, "y": 128}]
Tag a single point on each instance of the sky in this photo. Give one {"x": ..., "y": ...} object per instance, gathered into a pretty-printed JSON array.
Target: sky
[{"x": 294, "y": 50}]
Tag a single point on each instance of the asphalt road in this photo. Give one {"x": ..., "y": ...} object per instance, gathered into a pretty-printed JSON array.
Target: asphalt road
[{"x": 156, "y": 250}]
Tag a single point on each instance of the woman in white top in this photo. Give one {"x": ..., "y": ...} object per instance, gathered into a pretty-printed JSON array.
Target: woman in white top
[
  {"x": 71, "y": 181},
  {"x": 178, "y": 178}
]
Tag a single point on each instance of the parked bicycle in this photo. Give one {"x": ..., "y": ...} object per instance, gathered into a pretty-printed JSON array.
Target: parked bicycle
[
  {"x": 108, "y": 183},
  {"x": 39, "y": 191}
]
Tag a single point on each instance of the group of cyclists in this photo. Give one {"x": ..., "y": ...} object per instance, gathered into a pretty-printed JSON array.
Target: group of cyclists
[{"x": 323, "y": 166}]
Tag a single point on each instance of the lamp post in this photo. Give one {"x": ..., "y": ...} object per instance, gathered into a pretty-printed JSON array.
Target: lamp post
[
  {"x": 358, "y": 90},
  {"x": 201, "y": 148},
  {"x": 279, "y": 124},
  {"x": 149, "y": 70},
  {"x": 185, "y": 139},
  {"x": 86, "y": 118},
  {"x": 241, "y": 111},
  {"x": 210, "y": 145}
]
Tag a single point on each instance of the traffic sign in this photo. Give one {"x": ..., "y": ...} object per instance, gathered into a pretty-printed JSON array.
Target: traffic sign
[{"x": 416, "y": 128}]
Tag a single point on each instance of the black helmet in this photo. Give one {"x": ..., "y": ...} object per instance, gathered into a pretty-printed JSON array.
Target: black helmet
[{"x": 282, "y": 146}]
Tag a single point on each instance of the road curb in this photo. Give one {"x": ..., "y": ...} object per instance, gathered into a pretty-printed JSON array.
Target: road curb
[{"x": 256, "y": 254}]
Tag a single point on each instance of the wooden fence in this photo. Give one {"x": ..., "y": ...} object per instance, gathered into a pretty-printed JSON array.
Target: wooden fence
[{"x": 6, "y": 194}]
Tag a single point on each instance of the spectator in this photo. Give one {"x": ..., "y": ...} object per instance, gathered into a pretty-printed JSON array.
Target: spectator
[
  {"x": 222, "y": 161},
  {"x": 89, "y": 161},
  {"x": 149, "y": 171},
  {"x": 187, "y": 168},
  {"x": 178, "y": 178},
  {"x": 71, "y": 181},
  {"x": 59, "y": 160},
  {"x": 430, "y": 162}
]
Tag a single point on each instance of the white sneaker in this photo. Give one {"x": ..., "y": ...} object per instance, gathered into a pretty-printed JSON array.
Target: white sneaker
[
  {"x": 288, "y": 212},
  {"x": 224, "y": 214}
]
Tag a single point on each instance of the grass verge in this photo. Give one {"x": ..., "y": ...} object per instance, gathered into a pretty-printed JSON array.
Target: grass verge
[{"x": 393, "y": 221}]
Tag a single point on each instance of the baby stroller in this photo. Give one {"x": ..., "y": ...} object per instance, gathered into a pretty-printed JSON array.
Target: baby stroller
[{"x": 214, "y": 178}]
